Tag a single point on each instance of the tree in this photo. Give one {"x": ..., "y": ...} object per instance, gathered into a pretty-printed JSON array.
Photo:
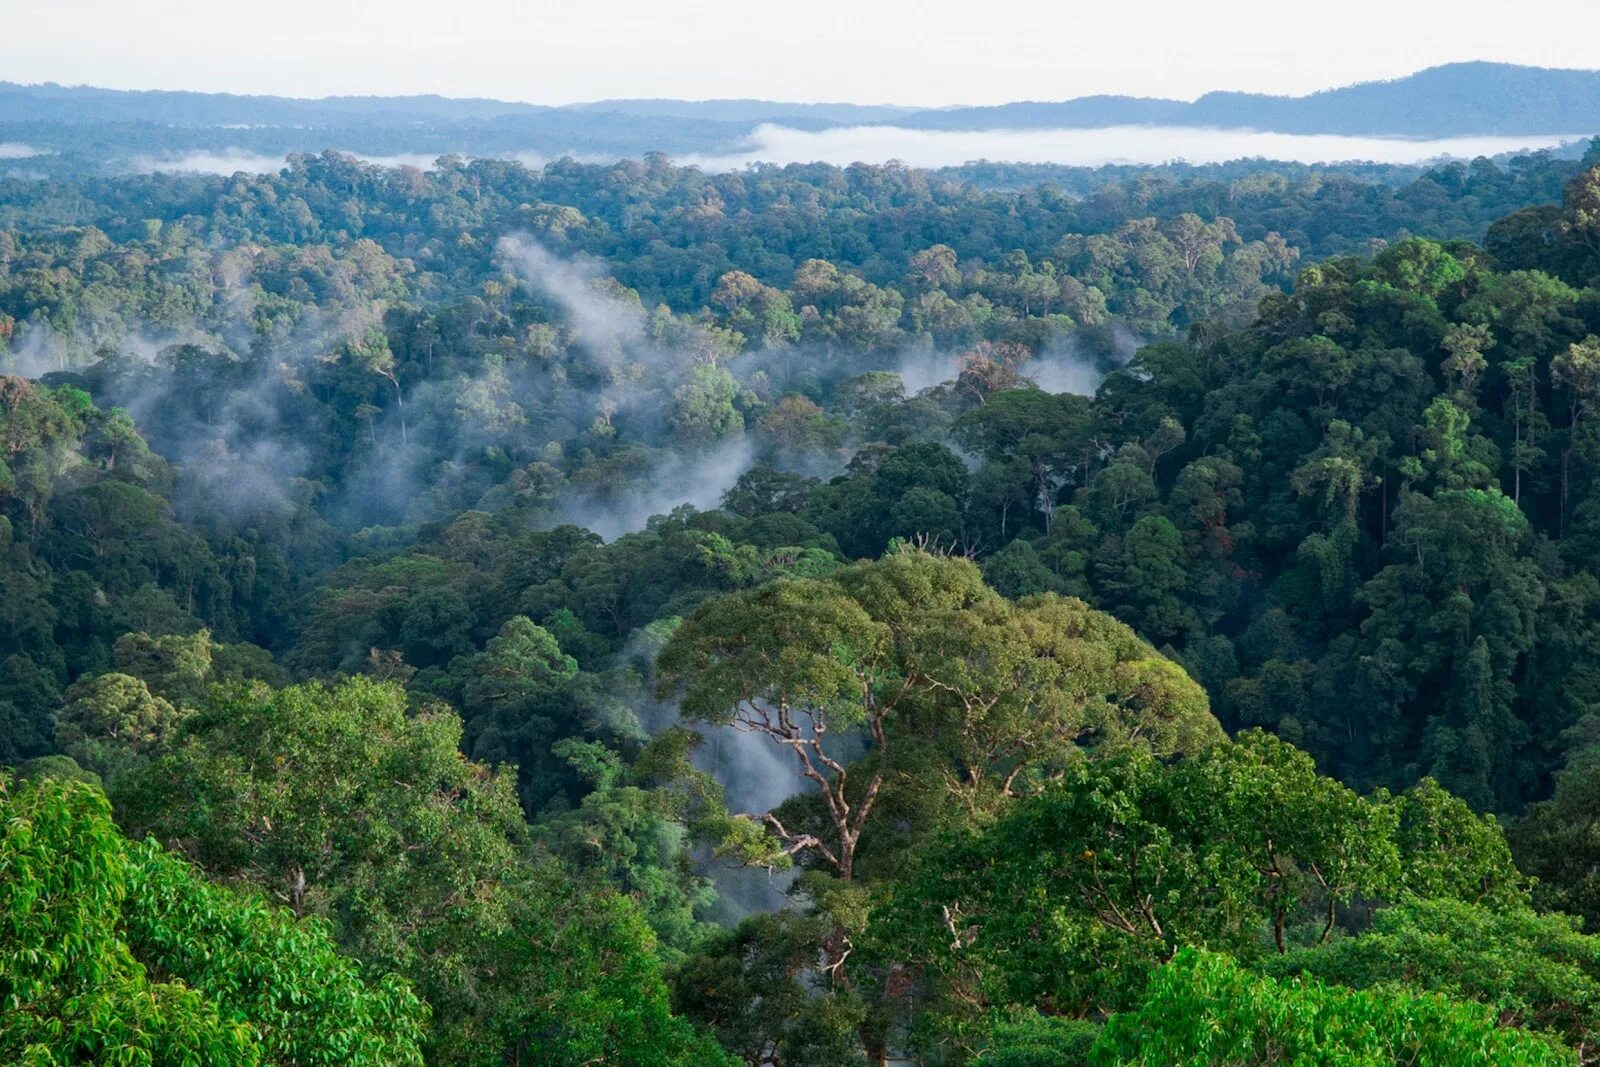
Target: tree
[
  {"x": 112, "y": 723},
  {"x": 178, "y": 667},
  {"x": 762, "y": 490},
  {"x": 1153, "y": 576},
  {"x": 990, "y": 368},
  {"x": 1033, "y": 1039},
  {"x": 372, "y": 354},
  {"x": 1017, "y": 571},
  {"x": 749, "y": 986},
  {"x": 1556, "y": 841},
  {"x": 91, "y": 917},
  {"x": 518, "y": 697},
  {"x": 1535, "y": 971},
  {"x": 306, "y": 793},
  {"x": 954, "y": 690},
  {"x": 634, "y": 828},
  {"x": 569, "y": 977},
  {"x": 1071, "y": 899},
  {"x": 1577, "y": 371},
  {"x": 1466, "y": 344},
  {"x": 1206, "y": 1009},
  {"x": 756, "y": 312},
  {"x": 342, "y": 804},
  {"x": 1458, "y": 617},
  {"x": 792, "y": 661},
  {"x": 1008, "y": 696},
  {"x": 1048, "y": 433},
  {"x": 706, "y": 407}
]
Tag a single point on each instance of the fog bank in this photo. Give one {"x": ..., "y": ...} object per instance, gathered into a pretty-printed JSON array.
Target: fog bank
[{"x": 1098, "y": 147}]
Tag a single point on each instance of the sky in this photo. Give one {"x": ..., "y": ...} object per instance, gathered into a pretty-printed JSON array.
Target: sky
[{"x": 921, "y": 52}]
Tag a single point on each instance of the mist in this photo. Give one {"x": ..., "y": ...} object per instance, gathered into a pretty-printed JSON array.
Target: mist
[
  {"x": 1150, "y": 145},
  {"x": 612, "y": 331},
  {"x": 925, "y": 368},
  {"x": 1079, "y": 362},
  {"x": 841, "y": 146},
  {"x": 602, "y": 323},
  {"x": 756, "y": 776},
  {"x": 225, "y": 162},
  {"x": 697, "y": 480},
  {"x": 242, "y": 160},
  {"x": 228, "y": 161}
]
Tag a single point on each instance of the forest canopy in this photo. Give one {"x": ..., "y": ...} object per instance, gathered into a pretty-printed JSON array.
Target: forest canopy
[{"x": 798, "y": 616}]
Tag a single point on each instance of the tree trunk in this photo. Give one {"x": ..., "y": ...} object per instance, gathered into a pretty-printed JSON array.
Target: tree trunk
[
  {"x": 400, "y": 405},
  {"x": 1566, "y": 482}
]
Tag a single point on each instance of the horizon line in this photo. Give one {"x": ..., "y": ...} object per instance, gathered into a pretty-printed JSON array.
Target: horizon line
[{"x": 907, "y": 108}]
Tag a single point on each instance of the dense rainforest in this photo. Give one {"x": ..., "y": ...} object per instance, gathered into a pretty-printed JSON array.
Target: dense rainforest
[{"x": 801, "y": 616}]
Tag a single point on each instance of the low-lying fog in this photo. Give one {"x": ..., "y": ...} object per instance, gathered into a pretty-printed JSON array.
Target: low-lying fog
[
  {"x": 233, "y": 160},
  {"x": 943, "y": 148},
  {"x": 1097, "y": 147}
]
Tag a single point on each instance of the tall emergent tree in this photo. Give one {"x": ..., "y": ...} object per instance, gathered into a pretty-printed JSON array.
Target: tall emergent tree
[{"x": 952, "y": 689}]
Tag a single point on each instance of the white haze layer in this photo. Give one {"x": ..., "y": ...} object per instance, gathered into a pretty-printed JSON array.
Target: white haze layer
[
  {"x": 1149, "y": 145},
  {"x": 229, "y": 161},
  {"x": 612, "y": 331},
  {"x": 769, "y": 143},
  {"x": 234, "y": 160},
  {"x": 699, "y": 481}
]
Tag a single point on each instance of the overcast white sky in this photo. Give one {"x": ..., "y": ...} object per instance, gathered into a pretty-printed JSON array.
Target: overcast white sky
[{"x": 926, "y": 52}]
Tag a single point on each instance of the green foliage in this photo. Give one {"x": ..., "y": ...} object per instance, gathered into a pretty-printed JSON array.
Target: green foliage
[
  {"x": 1321, "y": 460},
  {"x": 108, "y": 723},
  {"x": 91, "y": 917},
  {"x": 1535, "y": 971},
  {"x": 1070, "y": 900},
  {"x": 634, "y": 827},
  {"x": 346, "y": 806},
  {"x": 749, "y": 985},
  {"x": 1354, "y": 507},
  {"x": 914, "y": 656},
  {"x": 1204, "y": 1008},
  {"x": 1029, "y": 1039},
  {"x": 308, "y": 792},
  {"x": 1557, "y": 841},
  {"x": 570, "y": 978}
]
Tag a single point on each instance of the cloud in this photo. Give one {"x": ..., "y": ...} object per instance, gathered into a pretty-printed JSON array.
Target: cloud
[
  {"x": 1079, "y": 362},
  {"x": 1095, "y": 147},
  {"x": 37, "y": 350},
  {"x": 420, "y": 160},
  {"x": 644, "y": 371},
  {"x": 925, "y": 368},
  {"x": 697, "y": 480},
  {"x": 226, "y": 161},
  {"x": 602, "y": 324}
]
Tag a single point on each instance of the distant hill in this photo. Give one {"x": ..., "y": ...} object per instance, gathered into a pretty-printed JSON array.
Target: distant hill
[
  {"x": 113, "y": 129},
  {"x": 84, "y": 104},
  {"x": 1459, "y": 99},
  {"x": 754, "y": 111},
  {"x": 1452, "y": 100}
]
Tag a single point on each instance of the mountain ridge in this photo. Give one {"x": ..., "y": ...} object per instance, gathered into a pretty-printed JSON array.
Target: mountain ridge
[
  {"x": 1452, "y": 99},
  {"x": 51, "y": 127},
  {"x": 1476, "y": 97}
]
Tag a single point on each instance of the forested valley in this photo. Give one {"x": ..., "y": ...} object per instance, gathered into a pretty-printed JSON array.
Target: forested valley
[{"x": 801, "y": 616}]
